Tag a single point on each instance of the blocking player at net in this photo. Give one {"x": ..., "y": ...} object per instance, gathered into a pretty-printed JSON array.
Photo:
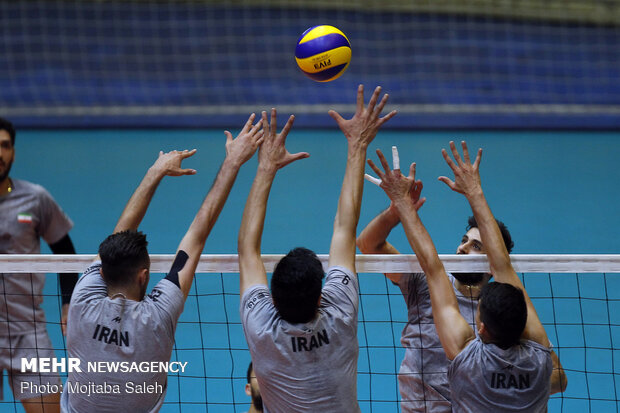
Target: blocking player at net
[
  {"x": 111, "y": 318},
  {"x": 28, "y": 213},
  {"x": 423, "y": 379},
  {"x": 508, "y": 366},
  {"x": 303, "y": 338}
]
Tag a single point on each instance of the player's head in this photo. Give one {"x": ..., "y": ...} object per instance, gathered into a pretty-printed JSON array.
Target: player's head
[
  {"x": 8, "y": 127},
  {"x": 471, "y": 243},
  {"x": 296, "y": 285},
  {"x": 252, "y": 390},
  {"x": 7, "y": 148},
  {"x": 503, "y": 313},
  {"x": 125, "y": 260}
]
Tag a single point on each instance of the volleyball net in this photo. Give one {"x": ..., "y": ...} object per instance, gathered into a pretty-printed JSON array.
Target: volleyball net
[
  {"x": 208, "y": 63},
  {"x": 576, "y": 296}
]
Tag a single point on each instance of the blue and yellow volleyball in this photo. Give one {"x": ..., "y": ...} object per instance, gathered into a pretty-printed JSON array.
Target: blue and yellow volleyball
[{"x": 323, "y": 53}]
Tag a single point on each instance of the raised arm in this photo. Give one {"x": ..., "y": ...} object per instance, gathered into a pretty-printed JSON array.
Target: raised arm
[
  {"x": 360, "y": 130},
  {"x": 238, "y": 151},
  {"x": 453, "y": 330},
  {"x": 373, "y": 238},
  {"x": 166, "y": 164},
  {"x": 271, "y": 157},
  {"x": 467, "y": 182}
]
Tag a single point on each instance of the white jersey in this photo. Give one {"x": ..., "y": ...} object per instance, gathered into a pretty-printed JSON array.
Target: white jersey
[
  {"x": 485, "y": 378},
  {"x": 423, "y": 375},
  {"x": 307, "y": 367},
  {"x": 114, "y": 331}
]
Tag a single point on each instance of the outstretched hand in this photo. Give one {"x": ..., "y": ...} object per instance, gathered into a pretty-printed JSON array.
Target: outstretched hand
[
  {"x": 466, "y": 175},
  {"x": 414, "y": 193},
  {"x": 247, "y": 142},
  {"x": 416, "y": 188},
  {"x": 272, "y": 153},
  {"x": 364, "y": 125},
  {"x": 169, "y": 163},
  {"x": 397, "y": 186}
]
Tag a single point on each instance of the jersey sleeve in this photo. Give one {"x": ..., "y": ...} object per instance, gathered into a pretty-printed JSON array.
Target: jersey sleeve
[
  {"x": 168, "y": 298},
  {"x": 54, "y": 223},
  {"x": 90, "y": 285},
  {"x": 257, "y": 311},
  {"x": 341, "y": 290},
  {"x": 409, "y": 286}
]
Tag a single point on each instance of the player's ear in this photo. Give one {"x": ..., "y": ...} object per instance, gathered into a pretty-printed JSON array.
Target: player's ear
[
  {"x": 143, "y": 276},
  {"x": 482, "y": 330},
  {"x": 248, "y": 389}
]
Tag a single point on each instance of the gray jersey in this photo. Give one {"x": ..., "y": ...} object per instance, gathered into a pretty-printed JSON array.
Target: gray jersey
[
  {"x": 485, "y": 378},
  {"x": 117, "y": 330},
  {"x": 27, "y": 214},
  {"x": 310, "y": 367},
  {"x": 423, "y": 380}
]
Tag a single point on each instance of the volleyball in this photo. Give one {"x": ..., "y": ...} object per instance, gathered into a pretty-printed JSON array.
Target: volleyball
[{"x": 323, "y": 53}]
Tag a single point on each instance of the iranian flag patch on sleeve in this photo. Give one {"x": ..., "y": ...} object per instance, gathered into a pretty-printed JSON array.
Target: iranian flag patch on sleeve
[{"x": 24, "y": 218}]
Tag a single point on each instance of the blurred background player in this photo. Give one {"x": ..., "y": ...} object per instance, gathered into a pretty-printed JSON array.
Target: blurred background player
[
  {"x": 303, "y": 338},
  {"x": 28, "y": 213},
  {"x": 111, "y": 318},
  {"x": 253, "y": 390}
]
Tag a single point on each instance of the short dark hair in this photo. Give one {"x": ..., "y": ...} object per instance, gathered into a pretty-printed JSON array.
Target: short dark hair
[
  {"x": 249, "y": 374},
  {"x": 503, "y": 312},
  {"x": 471, "y": 223},
  {"x": 296, "y": 285},
  {"x": 8, "y": 126},
  {"x": 122, "y": 255}
]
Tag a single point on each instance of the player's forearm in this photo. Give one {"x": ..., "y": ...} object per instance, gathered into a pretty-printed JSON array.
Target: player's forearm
[
  {"x": 139, "y": 202},
  {"x": 419, "y": 238},
  {"x": 253, "y": 220},
  {"x": 349, "y": 203},
  {"x": 213, "y": 204},
  {"x": 372, "y": 239},
  {"x": 491, "y": 236}
]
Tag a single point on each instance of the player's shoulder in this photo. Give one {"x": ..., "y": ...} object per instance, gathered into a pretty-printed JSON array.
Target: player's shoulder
[
  {"x": 338, "y": 272},
  {"x": 534, "y": 346},
  {"x": 31, "y": 188},
  {"x": 28, "y": 186},
  {"x": 254, "y": 295}
]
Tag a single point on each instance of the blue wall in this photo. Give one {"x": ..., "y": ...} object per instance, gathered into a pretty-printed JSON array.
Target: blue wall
[
  {"x": 556, "y": 191},
  {"x": 83, "y": 64}
]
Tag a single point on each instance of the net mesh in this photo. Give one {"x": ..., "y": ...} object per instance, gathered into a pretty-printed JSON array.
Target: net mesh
[
  {"x": 576, "y": 296},
  {"x": 448, "y": 63}
]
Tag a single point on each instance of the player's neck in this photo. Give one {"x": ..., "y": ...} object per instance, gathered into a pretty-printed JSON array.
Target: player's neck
[
  {"x": 124, "y": 293},
  {"x": 254, "y": 410},
  {"x": 470, "y": 291},
  {"x": 6, "y": 186}
]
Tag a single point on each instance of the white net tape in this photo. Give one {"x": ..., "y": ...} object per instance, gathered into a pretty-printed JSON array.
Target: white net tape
[{"x": 228, "y": 263}]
